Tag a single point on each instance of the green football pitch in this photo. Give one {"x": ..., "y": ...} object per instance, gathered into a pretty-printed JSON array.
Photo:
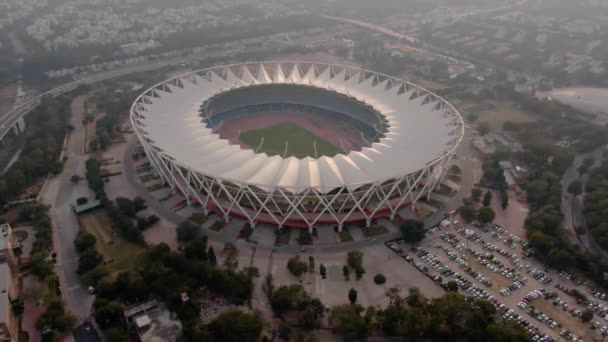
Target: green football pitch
[{"x": 300, "y": 142}]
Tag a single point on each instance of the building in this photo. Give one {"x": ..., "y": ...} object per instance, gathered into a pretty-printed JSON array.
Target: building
[
  {"x": 153, "y": 322},
  {"x": 393, "y": 142},
  {"x": 9, "y": 291},
  {"x": 7, "y": 255}
]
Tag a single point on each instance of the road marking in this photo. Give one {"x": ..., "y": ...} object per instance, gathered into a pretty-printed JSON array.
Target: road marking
[{"x": 75, "y": 287}]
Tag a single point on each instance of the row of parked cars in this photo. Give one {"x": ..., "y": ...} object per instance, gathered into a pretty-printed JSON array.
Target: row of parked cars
[
  {"x": 537, "y": 294},
  {"x": 538, "y": 275},
  {"x": 599, "y": 309},
  {"x": 516, "y": 285},
  {"x": 511, "y": 316},
  {"x": 429, "y": 262},
  {"x": 450, "y": 238}
]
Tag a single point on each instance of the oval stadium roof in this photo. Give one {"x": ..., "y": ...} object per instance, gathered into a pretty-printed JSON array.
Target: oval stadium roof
[{"x": 422, "y": 127}]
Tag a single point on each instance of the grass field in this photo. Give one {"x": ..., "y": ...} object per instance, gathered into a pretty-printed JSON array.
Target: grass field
[
  {"x": 299, "y": 140},
  {"x": 123, "y": 253},
  {"x": 496, "y": 113}
]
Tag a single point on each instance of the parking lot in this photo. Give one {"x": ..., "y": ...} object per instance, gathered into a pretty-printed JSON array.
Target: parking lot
[{"x": 489, "y": 262}]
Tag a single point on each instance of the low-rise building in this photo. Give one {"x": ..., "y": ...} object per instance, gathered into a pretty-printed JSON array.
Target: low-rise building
[
  {"x": 153, "y": 322},
  {"x": 7, "y": 255},
  {"x": 9, "y": 323}
]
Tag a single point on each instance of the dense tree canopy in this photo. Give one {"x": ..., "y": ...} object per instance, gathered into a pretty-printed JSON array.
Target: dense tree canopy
[
  {"x": 47, "y": 126},
  {"x": 412, "y": 231}
]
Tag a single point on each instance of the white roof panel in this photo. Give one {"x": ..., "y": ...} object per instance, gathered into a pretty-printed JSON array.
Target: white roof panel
[{"x": 416, "y": 134}]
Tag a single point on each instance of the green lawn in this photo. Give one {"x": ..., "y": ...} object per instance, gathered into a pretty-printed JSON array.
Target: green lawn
[
  {"x": 374, "y": 231},
  {"x": 300, "y": 141},
  {"x": 282, "y": 236},
  {"x": 345, "y": 236},
  {"x": 496, "y": 113},
  {"x": 121, "y": 255},
  {"x": 435, "y": 203}
]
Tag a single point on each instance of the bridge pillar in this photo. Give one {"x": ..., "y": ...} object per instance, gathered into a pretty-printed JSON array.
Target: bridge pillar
[{"x": 19, "y": 126}]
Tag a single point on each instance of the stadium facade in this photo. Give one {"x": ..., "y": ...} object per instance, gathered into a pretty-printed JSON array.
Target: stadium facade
[{"x": 412, "y": 136}]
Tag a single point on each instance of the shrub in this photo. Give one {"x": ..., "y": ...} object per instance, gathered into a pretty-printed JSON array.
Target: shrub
[
  {"x": 296, "y": 266},
  {"x": 186, "y": 231},
  {"x": 379, "y": 279}
]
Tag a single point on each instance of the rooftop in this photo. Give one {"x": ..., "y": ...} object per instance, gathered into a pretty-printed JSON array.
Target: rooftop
[
  {"x": 154, "y": 322},
  {"x": 5, "y": 302},
  {"x": 421, "y": 127},
  {"x": 5, "y": 233}
]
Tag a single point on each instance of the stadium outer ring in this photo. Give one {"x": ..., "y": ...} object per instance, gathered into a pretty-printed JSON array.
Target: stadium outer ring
[{"x": 226, "y": 197}]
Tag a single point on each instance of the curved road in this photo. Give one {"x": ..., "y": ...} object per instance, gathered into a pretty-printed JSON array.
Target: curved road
[
  {"x": 572, "y": 208},
  {"x": 8, "y": 120}
]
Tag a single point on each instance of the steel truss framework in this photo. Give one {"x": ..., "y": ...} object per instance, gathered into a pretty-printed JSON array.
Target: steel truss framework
[{"x": 304, "y": 207}]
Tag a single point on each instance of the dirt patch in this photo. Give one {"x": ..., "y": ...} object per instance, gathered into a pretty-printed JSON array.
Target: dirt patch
[{"x": 575, "y": 325}]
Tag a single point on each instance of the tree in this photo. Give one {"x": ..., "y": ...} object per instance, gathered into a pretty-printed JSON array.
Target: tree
[
  {"x": 187, "y": 231},
  {"x": 587, "y": 315},
  {"x": 352, "y": 295},
  {"x": 84, "y": 240},
  {"x": 234, "y": 325},
  {"x": 504, "y": 199},
  {"x": 196, "y": 249},
  {"x": 575, "y": 188},
  {"x": 483, "y": 128},
  {"x": 129, "y": 207},
  {"x": 81, "y": 200},
  {"x": 359, "y": 271},
  {"x": 89, "y": 259},
  {"x": 311, "y": 264},
  {"x": 354, "y": 259},
  {"x": 107, "y": 313},
  {"x": 284, "y": 331},
  {"x": 296, "y": 266},
  {"x": 211, "y": 256},
  {"x": 287, "y": 298},
  {"x": 486, "y": 215},
  {"x": 412, "y": 231},
  {"x": 323, "y": 271},
  {"x": 75, "y": 179},
  {"x": 416, "y": 299},
  {"x": 487, "y": 199},
  {"x": 452, "y": 286},
  {"x": 476, "y": 195},
  {"x": 346, "y": 272},
  {"x": 379, "y": 279},
  {"x": 467, "y": 212},
  {"x": 348, "y": 320}
]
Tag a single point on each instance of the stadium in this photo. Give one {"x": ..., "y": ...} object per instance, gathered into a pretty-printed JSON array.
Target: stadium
[{"x": 297, "y": 144}]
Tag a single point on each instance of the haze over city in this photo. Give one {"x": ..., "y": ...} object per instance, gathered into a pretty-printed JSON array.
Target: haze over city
[{"x": 281, "y": 170}]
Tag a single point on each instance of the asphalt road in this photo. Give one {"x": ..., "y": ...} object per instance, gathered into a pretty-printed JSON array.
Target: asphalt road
[
  {"x": 60, "y": 194},
  {"x": 81, "y": 335},
  {"x": 572, "y": 208}
]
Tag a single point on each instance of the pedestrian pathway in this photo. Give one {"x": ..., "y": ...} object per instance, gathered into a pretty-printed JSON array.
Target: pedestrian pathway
[{"x": 326, "y": 234}]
